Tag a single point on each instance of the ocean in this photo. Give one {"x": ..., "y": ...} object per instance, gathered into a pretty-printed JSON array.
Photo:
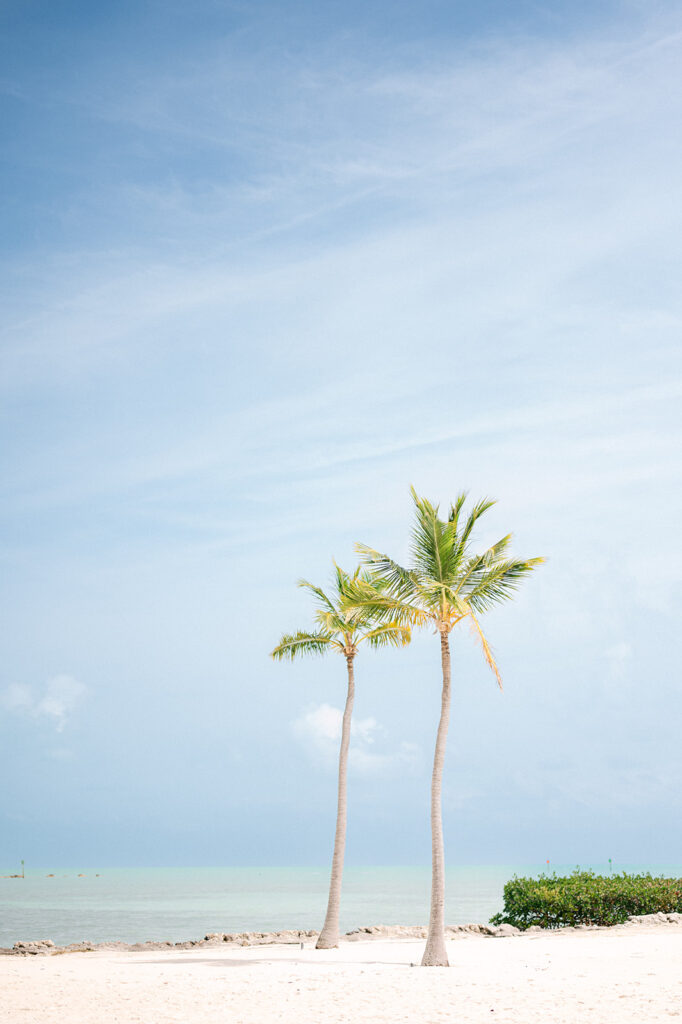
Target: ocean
[{"x": 176, "y": 904}]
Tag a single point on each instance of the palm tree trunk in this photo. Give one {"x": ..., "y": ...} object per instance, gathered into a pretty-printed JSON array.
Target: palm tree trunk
[
  {"x": 329, "y": 936},
  {"x": 435, "y": 954}
]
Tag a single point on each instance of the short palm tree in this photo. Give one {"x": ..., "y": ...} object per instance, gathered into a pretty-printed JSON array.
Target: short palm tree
[
  {"x": 445, "y": 584},
  {"x": 342, "y": 627}
]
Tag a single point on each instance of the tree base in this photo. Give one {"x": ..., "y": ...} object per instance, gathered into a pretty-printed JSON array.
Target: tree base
[
  {"x": 327, "y": 941},
  {"x": 434, "y": 957}
]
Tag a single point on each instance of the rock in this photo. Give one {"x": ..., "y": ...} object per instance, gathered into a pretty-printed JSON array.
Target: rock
[
  {"x": 386, "y": 931},
  {"x": 41, "y": 946},
  {"x": 288, "y": 937},
  {"x": 647, "y": 920},
  {"x": 420, "y": 932},
  {"x": 471, "y": 929},
  {"x": 140, "y": 947}
]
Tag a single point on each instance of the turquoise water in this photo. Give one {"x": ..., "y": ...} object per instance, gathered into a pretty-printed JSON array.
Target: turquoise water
[
  {"x": 185, "y": 903},
  {"x": 134, "y": 904}
]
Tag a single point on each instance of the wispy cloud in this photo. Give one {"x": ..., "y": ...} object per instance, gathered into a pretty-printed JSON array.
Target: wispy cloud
[
  {"x": 54, "y": 703},
  {"x": 318, "y": 730},
  {"x": 565, "y": 135}
]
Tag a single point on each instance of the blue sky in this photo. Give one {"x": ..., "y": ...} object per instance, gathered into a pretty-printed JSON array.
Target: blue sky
[{"x": 265, "y": 266}]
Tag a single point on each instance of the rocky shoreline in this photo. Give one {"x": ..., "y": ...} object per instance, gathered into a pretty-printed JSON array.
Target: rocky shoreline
[{"x": 45, "y": 947}]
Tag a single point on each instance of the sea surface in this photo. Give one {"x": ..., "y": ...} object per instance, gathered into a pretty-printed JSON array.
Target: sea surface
[{"x": 176, "y": 904}]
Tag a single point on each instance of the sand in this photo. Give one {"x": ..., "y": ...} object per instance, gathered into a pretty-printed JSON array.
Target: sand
[{"x": 601, "y": 976}]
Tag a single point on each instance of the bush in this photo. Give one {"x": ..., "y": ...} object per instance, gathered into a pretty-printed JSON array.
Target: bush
[{"x": 586, "y": 898}]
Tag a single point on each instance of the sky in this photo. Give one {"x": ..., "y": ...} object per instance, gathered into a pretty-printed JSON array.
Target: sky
[{"x": 265, "y": 266}]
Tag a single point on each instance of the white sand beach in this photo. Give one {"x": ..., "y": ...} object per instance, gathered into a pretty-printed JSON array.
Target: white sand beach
[{"x": 630, "y": 973}]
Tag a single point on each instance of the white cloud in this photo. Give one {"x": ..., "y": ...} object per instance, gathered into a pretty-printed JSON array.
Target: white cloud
[
  {"x": 319, "y": 732},
  {"x": 55, "y": 704}
]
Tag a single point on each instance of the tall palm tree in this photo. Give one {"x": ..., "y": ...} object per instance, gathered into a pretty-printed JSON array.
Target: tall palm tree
[
  {"x": 445, "y": 584},
  {"x": 342, "y": 627}
]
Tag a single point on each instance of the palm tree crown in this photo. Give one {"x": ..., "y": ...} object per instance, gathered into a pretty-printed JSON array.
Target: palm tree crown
[
  {"x": 342, "y": 624},
  {"x": 446, "y": 582}
]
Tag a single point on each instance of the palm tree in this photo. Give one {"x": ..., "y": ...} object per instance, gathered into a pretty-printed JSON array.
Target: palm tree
[
  {"x": 446, "y": 584},
  {"x": 342, "y": 627}
]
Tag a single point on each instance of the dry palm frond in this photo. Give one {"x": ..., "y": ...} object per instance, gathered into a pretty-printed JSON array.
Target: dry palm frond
[{"x": 485, "y": 646}]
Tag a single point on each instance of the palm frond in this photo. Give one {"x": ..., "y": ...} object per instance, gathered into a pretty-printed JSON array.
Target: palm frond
[
  {"x": 474, "y": 515},
  {"x": 381, "y": 605},
  {"x": 390, "y": 609},
  {"x": 436, "y": 548},
  {"x": 340, "y": 579},
  {"x": 478, "y": 564},
  {"x": 426, "y": 538},
  {"x": 456, "y": 508},
  {"x": 485, "y": 647},
  {"x": 318, "y": 592},
  {"x": 496, "y": 550},
  {"x": 391, "y": 634},
  {"x": 293, "y": 645},
  {"x": 389, "y": 575},
  {"x": 498, "y": 583},
  {"x": 331, "y": 622}
]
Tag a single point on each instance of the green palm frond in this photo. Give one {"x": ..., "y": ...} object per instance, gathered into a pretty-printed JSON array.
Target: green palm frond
[
  {"x": 380, "y": 602},
  {"x": 388, "y": 576},
  {"x": 384, "y": 609},
  {"x": 434, "y": 543},
  {"x": 498, "y": 549},
  {"x": 331, "y": 622},
  {"x": 474, "y": 515},
  {"x": 340, "y": 578},
  {"x": 293, "y": 645},
  {"x": 475, "y": 566},
  {"x": 498, "y": 583},
  {"x": 389, "y": 635},
  {"x": 456, "y": 508},
  {"x": 318, "y": 592}
]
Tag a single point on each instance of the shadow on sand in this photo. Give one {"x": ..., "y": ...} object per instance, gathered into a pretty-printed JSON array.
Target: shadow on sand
[{"x": 233, "y": 962}]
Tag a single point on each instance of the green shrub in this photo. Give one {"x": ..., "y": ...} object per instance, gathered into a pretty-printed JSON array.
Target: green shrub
[{"x": 586, "y": 898}]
